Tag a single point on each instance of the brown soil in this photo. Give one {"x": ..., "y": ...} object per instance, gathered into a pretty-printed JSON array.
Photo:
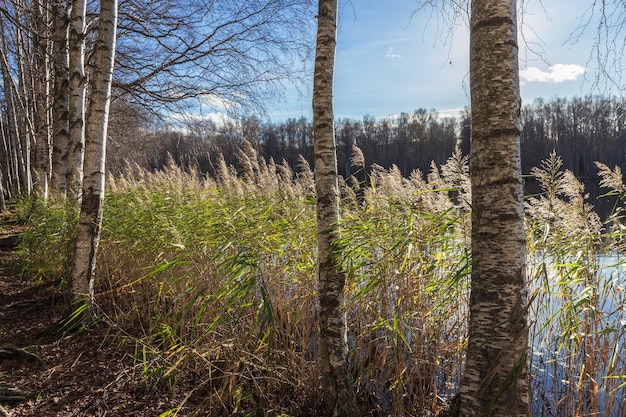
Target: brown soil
[{"x": 48, "y": 371}]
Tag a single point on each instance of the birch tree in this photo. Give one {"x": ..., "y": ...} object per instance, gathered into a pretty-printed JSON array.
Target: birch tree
[
  {"x": 495, "y": 382},
  {"x": 338, "y": 390},
  {"x": 39, "y": 73},
  {"x": 77, "y": 92},
  {"x": 18, "y": 121},
  {"x": 90, "y": 219},
  {"x": 60, "y": 100}
]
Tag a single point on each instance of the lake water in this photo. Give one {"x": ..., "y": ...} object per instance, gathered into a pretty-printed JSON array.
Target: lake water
[{"x": 578, "y": 332}]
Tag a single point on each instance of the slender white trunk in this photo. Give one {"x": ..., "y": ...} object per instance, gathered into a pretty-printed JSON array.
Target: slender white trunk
[
  {"x": 60, "y": 104},
  {"x": 78, "y": 82},
  {"x": 90, "y": 219},
  {"x": 5, "y": 190},
  {"x": 6, "y": 159},
  {"x": 23, "y": 100},
  {"x": 40, "y": 75},
  {"x": 336, "y": 382},
  {"x": 13, "y": 134}
]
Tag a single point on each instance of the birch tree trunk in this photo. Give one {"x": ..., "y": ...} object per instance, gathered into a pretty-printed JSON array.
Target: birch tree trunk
[
  {"x": 23, "y": 99},
  {"x": 40, "y": 75},
  {"x": 495, "y": 382},
  {"x": 6, "y": 158},
  {"x": 76, "y": 145},
  {"x": 12, "y": 131},
  {"x": 60, "y": 103},
  {"x": 90, "y": 218},
  {"x": 3, "y": 206},
  {"x": 338, "y": 390}
]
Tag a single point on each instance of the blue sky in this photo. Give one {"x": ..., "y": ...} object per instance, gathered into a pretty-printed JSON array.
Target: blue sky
[{"x": 390, "y": 60}]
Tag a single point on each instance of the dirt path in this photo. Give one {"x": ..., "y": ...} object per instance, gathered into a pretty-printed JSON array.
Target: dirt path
[{"x": 46, "y": 372}]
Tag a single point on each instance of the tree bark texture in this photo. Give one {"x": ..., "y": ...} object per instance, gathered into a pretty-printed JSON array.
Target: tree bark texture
[
  {"x": 338, "y": 391},
  {"x": 61, "y": 100},
  {"x": 77, "y": 83},
  {"x": 40, "y": 74},
  {"x": 496, "y": 377},
  {"x": 23, "y": 100},
  {"x": 90, "y": 218}
]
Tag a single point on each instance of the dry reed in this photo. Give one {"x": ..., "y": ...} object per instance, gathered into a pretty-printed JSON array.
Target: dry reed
[{"x": 214, "y": 282}]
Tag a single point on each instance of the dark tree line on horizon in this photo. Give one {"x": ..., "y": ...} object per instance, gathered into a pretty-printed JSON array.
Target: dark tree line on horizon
[{"x": 580, "y": 130}]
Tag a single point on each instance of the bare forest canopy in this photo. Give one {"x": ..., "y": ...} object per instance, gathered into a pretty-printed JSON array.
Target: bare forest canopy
[{"x": 580, "y": 130}]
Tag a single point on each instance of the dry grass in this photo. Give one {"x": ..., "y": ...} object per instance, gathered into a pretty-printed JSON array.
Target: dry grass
[
  {"x": 578, "y": 277},
  {"x": 214, "y": 281}
]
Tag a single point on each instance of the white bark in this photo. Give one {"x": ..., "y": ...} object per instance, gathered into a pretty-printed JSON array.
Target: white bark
[
  {"x": 338, "y": 389},
  {"x": 90, "y": 219},
  {"x": 16, "y": 162},
  {"x": 60, "y": 104},
  {"x": 40, "y": 75},
  {"x": 23, "y": 99},
  {"x": 496, "y": 379},
  {"x": 76, "y": 146}
]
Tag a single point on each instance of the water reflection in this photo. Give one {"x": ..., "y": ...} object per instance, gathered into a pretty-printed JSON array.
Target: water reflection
[{"x": 578, "y": 330}]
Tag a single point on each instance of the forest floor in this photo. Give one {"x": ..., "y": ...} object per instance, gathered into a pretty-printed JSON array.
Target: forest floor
[{"x": 46, "y": 371}]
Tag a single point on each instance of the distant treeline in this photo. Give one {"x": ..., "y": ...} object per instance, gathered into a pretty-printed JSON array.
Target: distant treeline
[{"x": 580, "y": 130}]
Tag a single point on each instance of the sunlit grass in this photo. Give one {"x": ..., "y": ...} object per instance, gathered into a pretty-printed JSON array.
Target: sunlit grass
[
  {"x": 577, "y": 275},
  {"x": 213, "y": 281}
]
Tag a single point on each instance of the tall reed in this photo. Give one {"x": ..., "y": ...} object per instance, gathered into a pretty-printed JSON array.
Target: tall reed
[
  {"x": 220, "y": 279},
  {"x": 213, "y": 283},
  {"x": 577, "y": 277}
]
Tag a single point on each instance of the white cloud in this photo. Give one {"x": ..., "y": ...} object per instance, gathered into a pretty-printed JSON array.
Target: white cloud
[
  {"x": 450, "y": 113},
  {"x": 391, "y": 53},
  {"x": 557, "y": 73},
  {"x": 186, "y": 119},
  {"x": 220, "y": 119},
  {"x": 219, "y": 103}
]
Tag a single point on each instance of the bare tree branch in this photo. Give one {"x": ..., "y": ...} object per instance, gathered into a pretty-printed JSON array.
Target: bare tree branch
[{"x": 238, "y": 53}]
